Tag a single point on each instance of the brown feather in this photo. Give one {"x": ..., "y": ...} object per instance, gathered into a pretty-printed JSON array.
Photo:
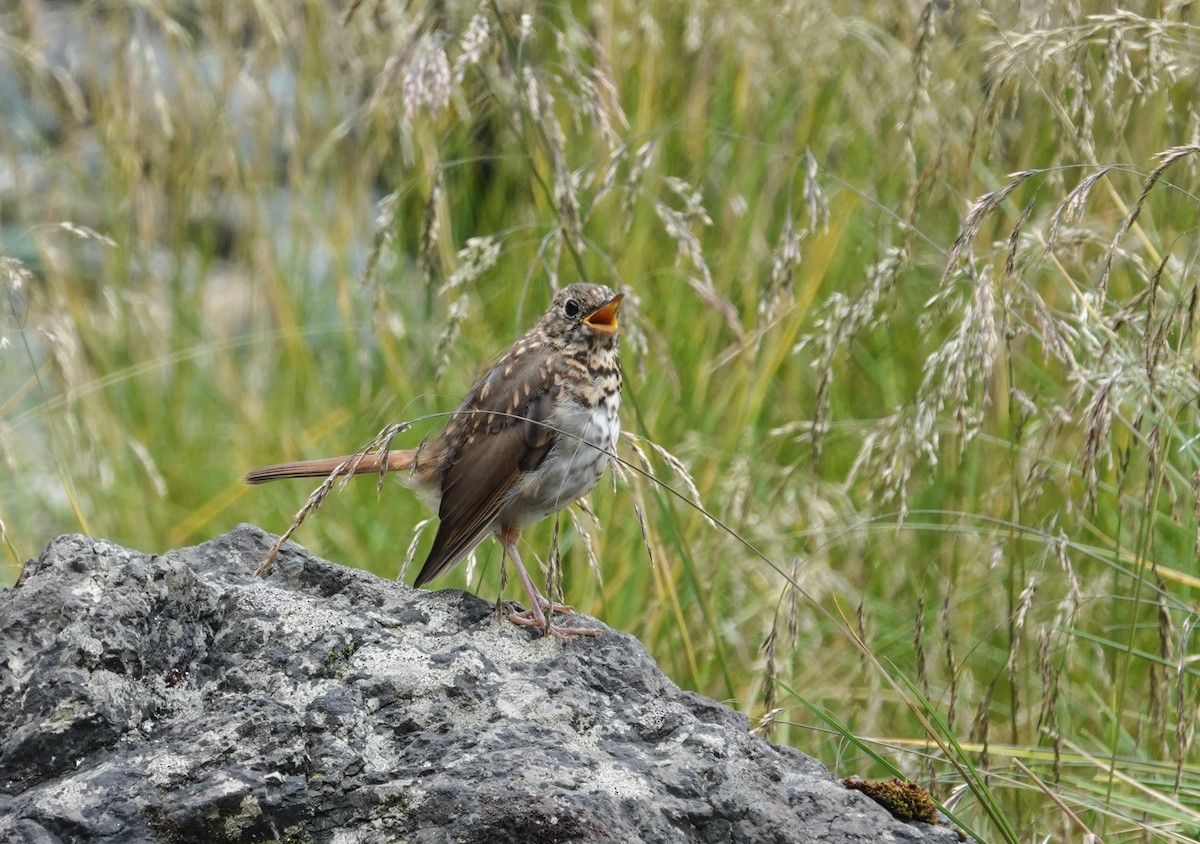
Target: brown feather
[
  {"x": 504, "y": 439},
  {"x": 396, "y": 461},
  {"x": 481, "y": 488}
]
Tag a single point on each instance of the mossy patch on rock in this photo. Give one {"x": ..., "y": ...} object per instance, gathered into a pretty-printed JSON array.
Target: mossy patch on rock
[{"x": 904, "y": 799}]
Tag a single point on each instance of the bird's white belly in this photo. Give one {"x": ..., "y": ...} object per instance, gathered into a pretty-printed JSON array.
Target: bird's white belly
[{"x": 575, "y": 463}]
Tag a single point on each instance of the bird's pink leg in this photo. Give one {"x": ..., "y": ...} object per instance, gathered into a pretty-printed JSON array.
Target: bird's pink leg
[{"x": 535, "y": 616}]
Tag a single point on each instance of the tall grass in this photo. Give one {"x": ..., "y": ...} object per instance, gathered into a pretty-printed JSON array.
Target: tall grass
[{"x": 911, "y": 316}]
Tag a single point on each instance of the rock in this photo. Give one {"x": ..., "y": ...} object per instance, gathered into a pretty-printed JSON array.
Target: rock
[{"x": 176, "y": 698}]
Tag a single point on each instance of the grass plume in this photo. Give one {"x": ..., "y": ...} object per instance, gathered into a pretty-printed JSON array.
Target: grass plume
[{"x": 909, "y": 338}]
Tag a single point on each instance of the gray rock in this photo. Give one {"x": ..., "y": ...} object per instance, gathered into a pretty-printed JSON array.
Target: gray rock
[{"x": 175, "y": 698}]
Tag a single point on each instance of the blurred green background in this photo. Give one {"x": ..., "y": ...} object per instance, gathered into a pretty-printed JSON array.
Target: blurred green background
[{"x": 912, "y": 292}]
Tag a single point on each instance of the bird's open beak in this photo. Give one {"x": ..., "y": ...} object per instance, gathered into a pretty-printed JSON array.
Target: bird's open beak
[{"x": 603, "y": 320}]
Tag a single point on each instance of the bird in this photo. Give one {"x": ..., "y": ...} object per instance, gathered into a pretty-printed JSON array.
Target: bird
[{"x": 534, "y": 434}]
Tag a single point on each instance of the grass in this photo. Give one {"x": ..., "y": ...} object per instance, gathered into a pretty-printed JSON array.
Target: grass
[{"x": 911, "y": 314}]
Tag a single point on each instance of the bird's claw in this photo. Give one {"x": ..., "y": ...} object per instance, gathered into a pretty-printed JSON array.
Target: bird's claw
[
  {"x": 530, "y": 618},
  {"x": 554, "y": 606}
]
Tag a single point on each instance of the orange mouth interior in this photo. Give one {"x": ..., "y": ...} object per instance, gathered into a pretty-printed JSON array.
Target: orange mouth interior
[{"x": 603, "y": 320}]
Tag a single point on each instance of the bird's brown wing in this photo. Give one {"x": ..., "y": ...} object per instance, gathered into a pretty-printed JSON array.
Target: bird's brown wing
[{"x": 503, "y": 437}]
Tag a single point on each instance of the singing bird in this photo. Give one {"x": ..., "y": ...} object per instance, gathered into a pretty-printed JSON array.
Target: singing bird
[{"x": 533, "y": 435}]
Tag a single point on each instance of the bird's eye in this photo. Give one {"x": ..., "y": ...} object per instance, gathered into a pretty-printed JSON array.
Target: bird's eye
[{"x": 571, "y": 308}]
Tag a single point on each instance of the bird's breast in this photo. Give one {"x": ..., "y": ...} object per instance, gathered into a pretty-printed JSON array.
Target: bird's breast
[{"x": 588, "y": 426}]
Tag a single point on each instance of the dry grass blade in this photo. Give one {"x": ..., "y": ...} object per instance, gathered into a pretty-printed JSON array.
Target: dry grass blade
[
  {"x": 919, "y": 648},
  {"x": 1097, "y": 417},
  {"x": 766, "y": 723},
  {"x": 785, "y": 260},
  {"x": 426, "y": 79},
  {"x": 678, "y": 226},
  {"x": 815, "y": 199},
  {"x": 1050, "y": 793},
  {"x": 979, "y": 211},
  {"x": 456, "y": 315},
  {"x": 951, "y": 662},
  {"x": 554, "y": 572},
  {"x": 586, "y": 537},
  {"x": 478, "y": 256},
  {"x": 646, "y": 543},
  {"x": 344, "y": 471},
  {"x": 1167, "y": 159},
  {"x": 86, "y": 233},
  {"x": 314, "y": 502},
  {"x": 837, "y": 327},
  {"x": 1014, "y": 239},
  {"x": 410, "y": 553},
  {"x": 1186, "y": 711},
  {"x": 1070, "y": 210},
  {"x": 1056, "y": 334},
  {"x": 429, "y": 252},
  {"x": 676, "y": 465},
  {"x": 920, "y": 62},
  {"x": 384, "y": 237}
]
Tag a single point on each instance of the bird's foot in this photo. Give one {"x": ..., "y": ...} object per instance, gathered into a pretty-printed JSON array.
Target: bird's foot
[
  {"x": 549, "y": 606},
  {"x": 532, "y": 618}
]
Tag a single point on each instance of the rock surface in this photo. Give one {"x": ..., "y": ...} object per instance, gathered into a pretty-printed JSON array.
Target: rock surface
[{"x": 175, "y": 698}]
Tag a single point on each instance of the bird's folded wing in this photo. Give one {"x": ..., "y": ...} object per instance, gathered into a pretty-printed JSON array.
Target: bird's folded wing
[{"x": 505, "y": 435}]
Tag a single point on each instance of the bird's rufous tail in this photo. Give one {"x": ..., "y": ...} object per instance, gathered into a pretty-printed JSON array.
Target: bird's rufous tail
[{"x": 358, "y": 465}]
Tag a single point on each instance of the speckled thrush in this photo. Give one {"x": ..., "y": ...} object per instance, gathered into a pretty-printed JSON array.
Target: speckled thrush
[{"x": 534, "y": 434}]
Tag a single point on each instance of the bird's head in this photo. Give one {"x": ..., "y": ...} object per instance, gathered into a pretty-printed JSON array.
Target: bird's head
[{"x": 582, "y": 315}]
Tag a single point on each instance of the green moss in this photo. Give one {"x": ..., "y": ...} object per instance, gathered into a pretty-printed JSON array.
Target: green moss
[{"x": 904, "y": 799}]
